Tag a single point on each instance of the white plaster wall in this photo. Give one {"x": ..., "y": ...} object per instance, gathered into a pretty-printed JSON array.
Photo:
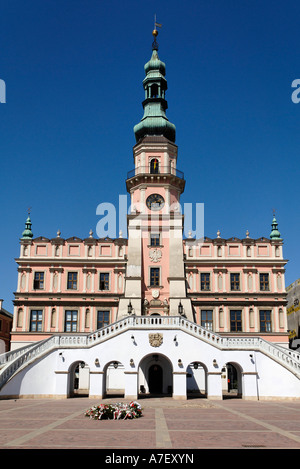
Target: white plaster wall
[{"x": 49, "y": 375}]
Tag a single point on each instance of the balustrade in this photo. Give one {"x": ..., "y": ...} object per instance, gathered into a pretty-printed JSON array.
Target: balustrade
[{"x": 13, "y": 361}]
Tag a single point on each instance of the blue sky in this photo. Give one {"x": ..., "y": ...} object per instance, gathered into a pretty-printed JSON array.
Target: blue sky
[{"x": 73, "y": 71}]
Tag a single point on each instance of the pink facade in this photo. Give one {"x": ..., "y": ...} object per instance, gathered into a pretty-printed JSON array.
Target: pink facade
[
  {"x": 235, "y": 286},
  {"x": 230, "y": 286}
]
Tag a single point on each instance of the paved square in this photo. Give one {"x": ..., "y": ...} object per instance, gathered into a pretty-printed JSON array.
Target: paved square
[{"x": 166, "y": 424}]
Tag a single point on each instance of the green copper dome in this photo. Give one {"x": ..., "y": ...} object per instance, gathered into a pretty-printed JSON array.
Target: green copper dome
[
  {"x": 155, "y": 65},
  {"x": 154, "y": 120},
  {"x": 275, "y": 233},
  {"x": 27, "y": 233}
]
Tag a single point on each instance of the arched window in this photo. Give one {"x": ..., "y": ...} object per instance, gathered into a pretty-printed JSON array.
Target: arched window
[
  {"x": 154, "y": 91},
  {"x": 154, "y": 166}
]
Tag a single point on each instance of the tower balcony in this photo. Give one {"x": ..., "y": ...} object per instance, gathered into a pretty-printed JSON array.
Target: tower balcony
[
  {"x": 162, "y": 175},
  {"x": 145, "y": 170}
]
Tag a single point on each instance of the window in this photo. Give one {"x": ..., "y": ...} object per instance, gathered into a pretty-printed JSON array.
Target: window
[
  {"x": 265, "y": 321},
  {"x": 104, "y": 281},
  {"x": 207, "y": 319},
  {"x": 38, "y": 282},
  {"x": 154, "y": 276},
  {"x": 235, "y": 321},
  {"x": 36, "y": 319},
  {"x": 235, "y": 282},
  {"x": 72, "y": 281},
  {"x": 102, "y": 319},
  {"x": 154, "y": 166},
  {"x": 154, "y": 239},
  {"x": 264, "y": 282},
  {"x": 71, "y": 321},
  {"x": 205, "y": 282}
]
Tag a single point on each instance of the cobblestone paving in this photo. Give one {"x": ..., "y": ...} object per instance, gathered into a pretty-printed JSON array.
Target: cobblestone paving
[{"x": 166, "y": 424}]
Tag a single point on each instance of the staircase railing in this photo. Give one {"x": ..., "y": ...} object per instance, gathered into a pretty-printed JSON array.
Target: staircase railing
[{"x": 15, "y": 360}]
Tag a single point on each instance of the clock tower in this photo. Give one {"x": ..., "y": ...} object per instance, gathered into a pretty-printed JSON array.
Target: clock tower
[{"x": 155, "y": 276}]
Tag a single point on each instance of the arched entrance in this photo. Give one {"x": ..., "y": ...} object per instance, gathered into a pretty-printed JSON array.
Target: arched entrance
[
  {"x": 155, "y": 379},
  {"x": 232, "y": 381},
  {"x": 79, "y": 379},
  {"x": 155, "y": 376},
  {"x": 196, "y": 380},
  {"x": 114, "y": 384}
]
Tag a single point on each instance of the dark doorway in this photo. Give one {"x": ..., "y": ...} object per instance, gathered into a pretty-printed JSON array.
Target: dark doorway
[{"x": 155, "y": 379}]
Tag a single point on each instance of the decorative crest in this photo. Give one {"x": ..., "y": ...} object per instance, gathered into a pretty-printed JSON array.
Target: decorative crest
[{"x": 155, "y": 340}]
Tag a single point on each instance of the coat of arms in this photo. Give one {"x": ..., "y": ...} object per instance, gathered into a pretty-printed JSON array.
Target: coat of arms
[
  {"x": 155, "y": 255},
  {"x": 155, "y": 340}
]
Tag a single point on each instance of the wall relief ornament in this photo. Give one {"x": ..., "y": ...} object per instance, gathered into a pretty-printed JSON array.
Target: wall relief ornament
[
  {"x": 155, "y": 255},
  {"x": 155, "y": 340}
]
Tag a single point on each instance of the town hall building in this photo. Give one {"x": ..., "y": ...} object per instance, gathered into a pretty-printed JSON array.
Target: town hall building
[{"x": 155, "y": 313}]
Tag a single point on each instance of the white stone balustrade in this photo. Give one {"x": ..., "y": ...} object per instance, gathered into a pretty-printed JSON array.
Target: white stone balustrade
[{"x": 14, "y": 361}]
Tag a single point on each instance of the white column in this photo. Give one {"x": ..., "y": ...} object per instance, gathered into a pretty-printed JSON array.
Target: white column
[
  {"x": 96, "y": 384},
  {"x": 179, "y": 385},
  {"x": 250, "y": 385},
  {"x": 131, "y": 384},
  {"x": 214, "y": 385}
]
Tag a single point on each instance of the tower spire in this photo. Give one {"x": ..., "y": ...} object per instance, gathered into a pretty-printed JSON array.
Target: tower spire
[
  {"x": 154, "y": 121},
  {"x": 274, "y": 235},
  {"x": 27, "y": 233}
]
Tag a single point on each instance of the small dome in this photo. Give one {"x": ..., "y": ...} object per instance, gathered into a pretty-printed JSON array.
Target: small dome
[{"x": 155, "y": 64}]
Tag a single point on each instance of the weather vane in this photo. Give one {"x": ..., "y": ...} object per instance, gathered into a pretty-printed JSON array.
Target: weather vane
[
  {"x": 155, "y": 33},
  {"x": 29, "y": 210}
]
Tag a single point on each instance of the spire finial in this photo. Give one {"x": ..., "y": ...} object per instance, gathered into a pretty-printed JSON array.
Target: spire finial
[{"x": 155, "y": 34}]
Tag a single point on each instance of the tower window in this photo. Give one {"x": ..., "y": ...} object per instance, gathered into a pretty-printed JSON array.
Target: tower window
[
  {"x": 154, "y": 276},
  {"x": 154, "y": 239},
  {"x": 154, "y": 91},
  {"x": 154, "y": 166}
]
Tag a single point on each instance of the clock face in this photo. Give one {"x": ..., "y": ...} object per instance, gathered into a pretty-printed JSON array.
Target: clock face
[{"x": 155, "y": 202}]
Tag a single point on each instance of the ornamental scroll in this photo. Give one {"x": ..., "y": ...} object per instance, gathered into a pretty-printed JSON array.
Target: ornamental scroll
[{"x": 155, "y": 340}]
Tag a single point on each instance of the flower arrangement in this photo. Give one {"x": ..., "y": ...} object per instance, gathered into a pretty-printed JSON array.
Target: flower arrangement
[{"x": 133, "y": 410}]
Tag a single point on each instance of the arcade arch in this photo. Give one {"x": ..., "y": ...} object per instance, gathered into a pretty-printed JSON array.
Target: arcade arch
[
  {"x": 114, "y": 379},
  {"x": 232, "y": 380},
  {"x": 79, "y": 379},
  {"x": 155, "y": 375},
  {"x": 196, "y": 380}
]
